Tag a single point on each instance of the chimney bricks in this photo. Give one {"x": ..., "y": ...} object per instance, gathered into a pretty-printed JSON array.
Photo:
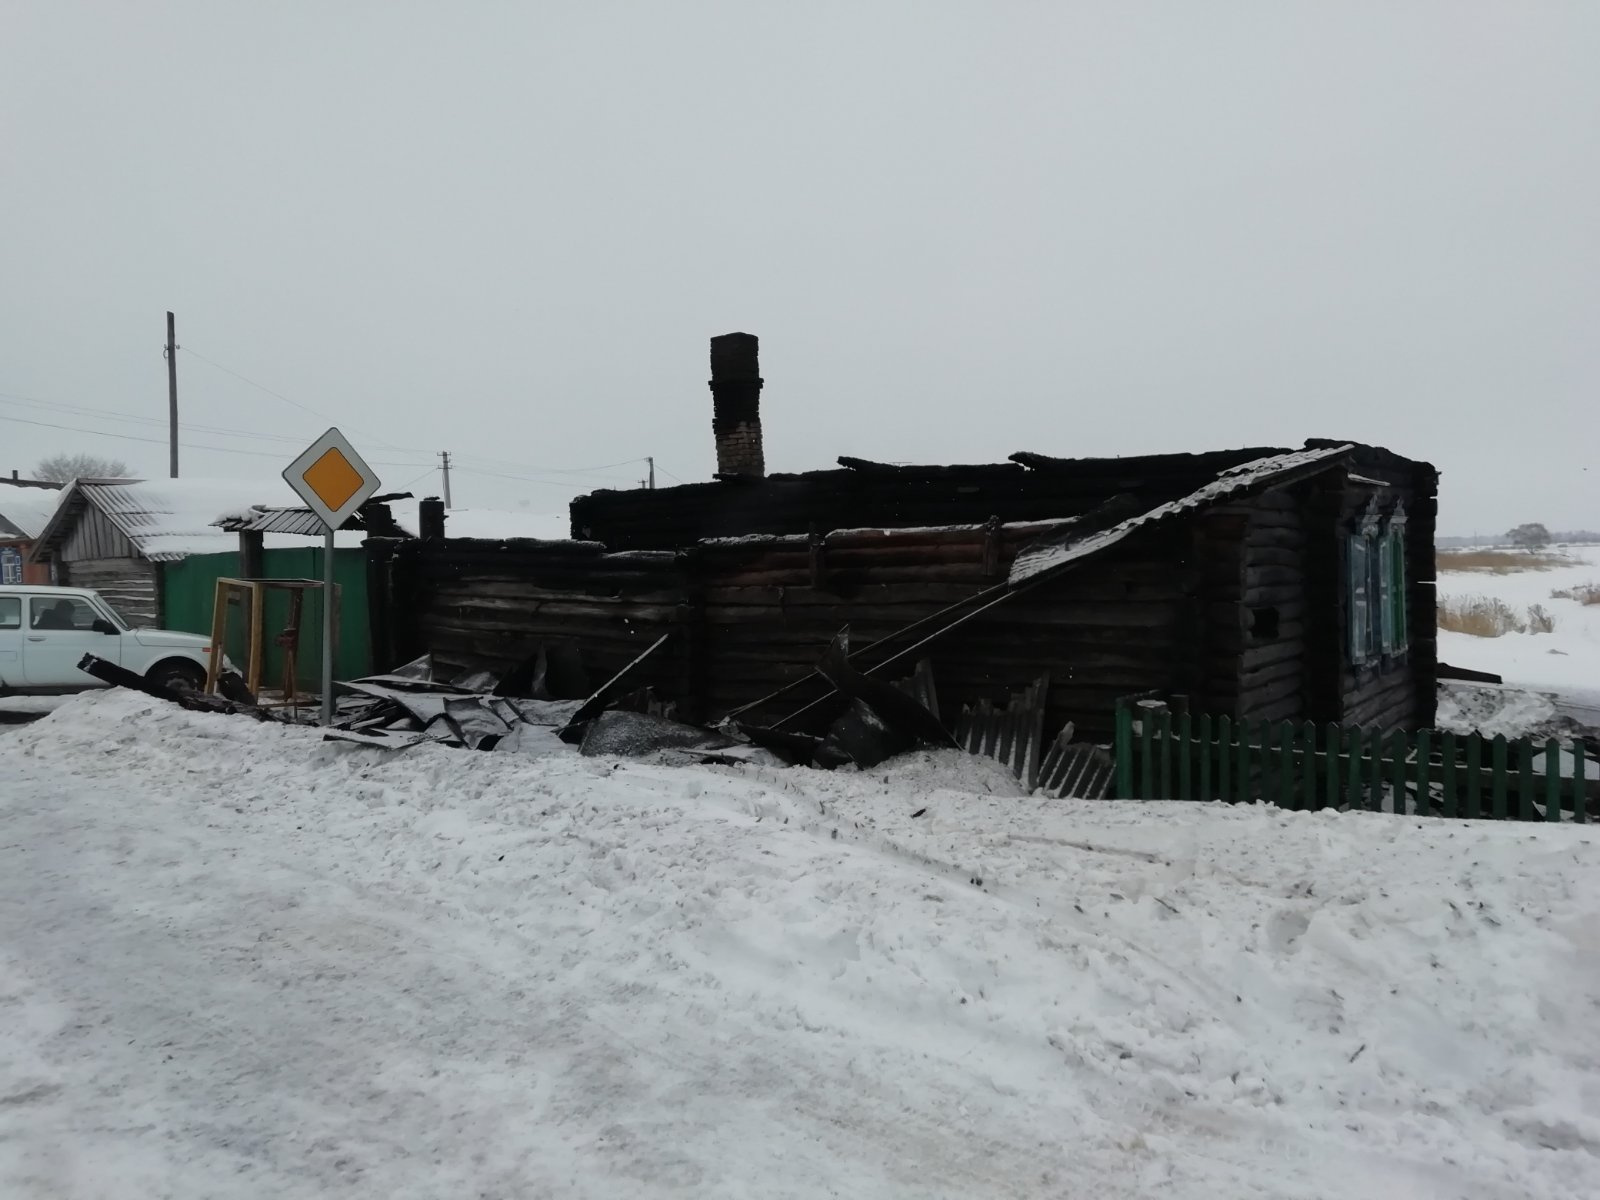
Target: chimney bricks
[{"x": 736, "y": 404}]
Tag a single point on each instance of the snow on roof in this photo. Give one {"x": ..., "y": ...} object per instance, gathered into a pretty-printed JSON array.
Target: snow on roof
[
  {"x": 1235, "y": 481},
  {"x": 459, "y": 522},
  {"x": 26, "y": 510},
  {"x": 170, "y": 519}
]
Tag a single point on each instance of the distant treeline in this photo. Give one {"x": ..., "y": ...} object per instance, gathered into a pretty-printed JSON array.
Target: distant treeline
[{"x": 1582, "y": 537}]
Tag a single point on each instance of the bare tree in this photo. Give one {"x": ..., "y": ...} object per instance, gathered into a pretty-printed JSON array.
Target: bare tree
[
  {"x": 64, "y": 468},
  {"x": 1532, "y": 536}
]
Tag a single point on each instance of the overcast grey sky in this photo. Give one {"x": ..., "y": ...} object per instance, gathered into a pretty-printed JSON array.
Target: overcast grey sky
[{"x": 508, "y": 230}]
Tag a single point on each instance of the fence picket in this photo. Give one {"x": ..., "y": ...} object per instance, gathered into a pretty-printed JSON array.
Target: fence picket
[
  {"x": 1224, "y": 758},
  {"x": 1241, "y": 774},
  {"x": 1447, "y": 754},
  {"x": 1375, "y": 773},
  {"x": 1525, "y": 809},
  {"x": 1331, "y": 739},
  {"x": 1124, "y": 732},
  {"x": 1579, "y": 787},
  {"x": 1308, "y": 765},
  {"x": 1354, "y": 784},
  {"x": 1206, "y": 752},
  {"x": 1147, "y": 773},
  {"x": 1552, "y": 780},
  {"x": 1424, "y": 768},
  {"x": 1286, "y": 780},
  {"x": 1397, "y": 771},
  {"x": 1185, "y": 751},
  {"x": 1497, "y": 781},
  {"x": 1164, "y": 733},
  {"x": 1474, "y": 796}
]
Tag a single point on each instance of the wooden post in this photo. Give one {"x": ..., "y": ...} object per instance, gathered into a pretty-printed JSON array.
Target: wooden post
[
  {"x": 172, "y": 395},
  {"x": 1552, "y": 780},
  {"x": 219, "y": 634}
]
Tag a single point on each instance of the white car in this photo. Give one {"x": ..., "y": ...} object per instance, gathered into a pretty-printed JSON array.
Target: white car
[{"x": 46, "y": 631}]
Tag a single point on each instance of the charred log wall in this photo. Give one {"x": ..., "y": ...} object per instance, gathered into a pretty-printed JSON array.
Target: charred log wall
[
  {"x": 878, "y": 496},
  {"x": 472, "y": 602},
  {"x": 1396, "y": 691}
]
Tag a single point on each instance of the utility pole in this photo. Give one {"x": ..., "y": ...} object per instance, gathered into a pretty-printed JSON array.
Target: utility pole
[
  {"x": 652, "y": 463},
  {"x": 172, "y": 395},
  {"x": 445, "y": 456}
]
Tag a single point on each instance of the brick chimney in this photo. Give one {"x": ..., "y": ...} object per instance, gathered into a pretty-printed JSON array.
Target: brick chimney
[{"x": 736, "y": 404}]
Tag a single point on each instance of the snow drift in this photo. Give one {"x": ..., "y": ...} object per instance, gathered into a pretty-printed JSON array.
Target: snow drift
[{"x": 239, "y": 961}]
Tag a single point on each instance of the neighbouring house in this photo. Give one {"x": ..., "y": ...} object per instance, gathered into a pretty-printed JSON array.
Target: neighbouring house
[
  {"x": 1266, "y": 583},
  {"x": 116, "y": 535},
  {"x": 25, "y": 508}
]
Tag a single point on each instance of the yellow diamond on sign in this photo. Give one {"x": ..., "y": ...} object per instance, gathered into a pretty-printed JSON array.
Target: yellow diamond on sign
[{"x": 333, "y": 479}]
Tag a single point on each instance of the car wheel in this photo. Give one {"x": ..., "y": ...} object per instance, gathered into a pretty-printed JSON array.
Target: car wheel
[{"x": 179, "y": 675}]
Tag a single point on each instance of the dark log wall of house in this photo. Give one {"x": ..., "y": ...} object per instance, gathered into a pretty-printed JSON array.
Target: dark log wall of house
[
  {"x": 1399, "y": 691},
  {"x": 1114, "y": 627},
  {"x": 875, "y": 496},
  {"x": 129, "y": 585},
  {"x": 1275, "y": 609},
  {"x": 474, "y": 603}
]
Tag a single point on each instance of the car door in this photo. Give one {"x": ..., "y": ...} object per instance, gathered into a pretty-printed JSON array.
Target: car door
[
  {"x": 60, "y": 631},
  {"x": 10, "y": 641}
]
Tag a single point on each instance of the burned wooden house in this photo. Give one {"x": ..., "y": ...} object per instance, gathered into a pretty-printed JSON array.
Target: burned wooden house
[{"x": 1261, "y": 583}]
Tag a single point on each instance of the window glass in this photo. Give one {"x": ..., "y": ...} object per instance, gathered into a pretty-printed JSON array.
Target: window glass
[
  {"x": 64, "y": 612},
  {"x": 10, "y": 612},
  {"x": 1359, "y": 570}
]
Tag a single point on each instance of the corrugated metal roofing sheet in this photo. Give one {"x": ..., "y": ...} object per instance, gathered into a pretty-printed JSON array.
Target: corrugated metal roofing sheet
[{"x": 1241, "y": 480}]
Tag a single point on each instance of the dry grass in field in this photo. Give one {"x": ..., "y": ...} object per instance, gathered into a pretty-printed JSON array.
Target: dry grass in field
[
  {"x": 1499, "y": 562},
  {"x": 1489, "y": 616},
  {"x": 1584, "y": 593}
]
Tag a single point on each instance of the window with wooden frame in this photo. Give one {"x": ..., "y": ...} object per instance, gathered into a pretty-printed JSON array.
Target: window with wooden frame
[{"x": 1375, "y": 573}]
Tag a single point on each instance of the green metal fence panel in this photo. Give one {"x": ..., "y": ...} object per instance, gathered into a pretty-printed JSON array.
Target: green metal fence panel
[
  {"x": 188, "y": 593},
  {"x": 1552, "y": 781},
  {"x": 1580, "y": 775},
  {"x": 1374, "y": 769}
]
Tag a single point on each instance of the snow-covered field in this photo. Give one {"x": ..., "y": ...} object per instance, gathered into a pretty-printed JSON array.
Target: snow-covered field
[
  {"x": 1567, "y": 661},
  {"x": 236, "y": 961}
]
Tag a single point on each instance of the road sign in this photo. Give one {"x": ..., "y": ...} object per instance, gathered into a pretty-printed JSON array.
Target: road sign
[{"x": 332, "y": 478}]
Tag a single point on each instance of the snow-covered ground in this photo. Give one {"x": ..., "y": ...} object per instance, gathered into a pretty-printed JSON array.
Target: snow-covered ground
[
  {"x": 237, "y": 961},
  {"x": 1565, "y": 662}
]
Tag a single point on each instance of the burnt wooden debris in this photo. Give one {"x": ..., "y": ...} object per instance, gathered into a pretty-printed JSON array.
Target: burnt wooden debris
[
  {"x": 1223, "y": 576},
  {"x": 1238, "y": 604}
]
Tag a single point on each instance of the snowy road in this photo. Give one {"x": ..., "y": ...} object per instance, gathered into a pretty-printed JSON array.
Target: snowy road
[{"x": 239, "y": 962}]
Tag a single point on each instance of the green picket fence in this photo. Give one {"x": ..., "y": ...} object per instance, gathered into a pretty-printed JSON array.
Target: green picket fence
[{"x": 1299, "y": 765}]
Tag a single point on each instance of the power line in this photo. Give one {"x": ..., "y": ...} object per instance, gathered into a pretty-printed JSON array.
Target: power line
[
  {"x": 294, "y": 403},
  {"x": 17, "y": 398},
  {"x": 128, "y": 437}
]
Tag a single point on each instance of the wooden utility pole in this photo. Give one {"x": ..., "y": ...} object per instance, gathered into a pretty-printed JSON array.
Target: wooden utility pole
[
  {"x": 445, "y": 456},
  {"x": 172, "y": 395}
]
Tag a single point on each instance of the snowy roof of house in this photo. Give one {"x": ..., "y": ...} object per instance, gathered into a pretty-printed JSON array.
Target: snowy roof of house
[
  {"x": 166, "y": 519},
  {"x": 25, "y": 511},
  {"x": 483, "y": 523},
  {"x": 1274, "y": 470}
]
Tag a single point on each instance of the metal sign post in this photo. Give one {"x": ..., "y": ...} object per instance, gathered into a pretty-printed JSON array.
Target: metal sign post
[{"x": 334, "y": 482}]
